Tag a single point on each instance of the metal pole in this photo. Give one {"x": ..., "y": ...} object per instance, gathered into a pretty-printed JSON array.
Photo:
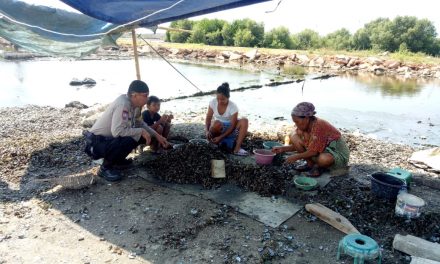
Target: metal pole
[{"x": 136, "y": 59}]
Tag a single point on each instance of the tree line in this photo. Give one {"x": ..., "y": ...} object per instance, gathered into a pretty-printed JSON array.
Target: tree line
[{"x": 402, "y": 34}]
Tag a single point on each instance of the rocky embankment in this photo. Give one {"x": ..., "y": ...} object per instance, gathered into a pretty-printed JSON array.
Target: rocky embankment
[{"x": 380, "y": 65}]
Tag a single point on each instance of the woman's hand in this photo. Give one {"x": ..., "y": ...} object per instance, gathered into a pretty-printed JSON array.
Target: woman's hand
[
  {"x": 208, "y": 135},
  {"x": 278, "y": 150},
  {"x": 216, "y": 140},
  {"x": 291, "y": 159}
]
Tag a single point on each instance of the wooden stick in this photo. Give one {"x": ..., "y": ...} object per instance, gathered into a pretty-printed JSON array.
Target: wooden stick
[
  {"x": 136, "y": 59},
  {"x": 332, "y": 218},
  {"x": 175, "y": 29}
]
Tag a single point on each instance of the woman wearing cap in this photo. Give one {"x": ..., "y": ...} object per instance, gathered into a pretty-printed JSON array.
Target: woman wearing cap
[
  {"x": 316, "y": 141},
  {"x": 226, "y": 123}
]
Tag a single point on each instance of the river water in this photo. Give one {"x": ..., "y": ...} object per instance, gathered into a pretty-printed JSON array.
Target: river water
[{"x": 403, "y": 111}]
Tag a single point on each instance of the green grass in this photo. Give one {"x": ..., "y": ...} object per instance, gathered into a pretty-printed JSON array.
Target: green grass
[
  {"x": 294, "y": 70},
  {"x": 414, "y": 58}
]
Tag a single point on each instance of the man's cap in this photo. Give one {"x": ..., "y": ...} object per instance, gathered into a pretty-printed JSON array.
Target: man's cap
[{"x": 138, "y": 86}]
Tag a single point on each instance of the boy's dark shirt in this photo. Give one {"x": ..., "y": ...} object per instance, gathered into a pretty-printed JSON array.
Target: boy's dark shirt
[{"x": 147, "y": 117}]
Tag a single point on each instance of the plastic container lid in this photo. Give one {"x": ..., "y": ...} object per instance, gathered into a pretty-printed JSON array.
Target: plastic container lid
[{"x": 411, "y": 199}]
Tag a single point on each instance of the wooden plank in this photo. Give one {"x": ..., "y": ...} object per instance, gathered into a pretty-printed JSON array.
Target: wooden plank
[
  {"x": 417, "y": 260},
  {"x": 416, "y": 246},
  {"x": 218, "y": 169}
]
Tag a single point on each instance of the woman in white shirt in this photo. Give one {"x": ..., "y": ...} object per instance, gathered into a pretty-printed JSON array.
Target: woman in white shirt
[{"x": 226, "y": 122}]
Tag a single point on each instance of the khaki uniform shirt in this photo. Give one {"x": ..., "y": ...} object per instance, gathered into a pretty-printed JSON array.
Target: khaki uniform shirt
[{"x": 119, "y": 120}]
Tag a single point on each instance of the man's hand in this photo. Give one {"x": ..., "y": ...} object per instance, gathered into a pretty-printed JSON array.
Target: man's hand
[
  {"x": 162, "y": 141},
  {"x": 146, "y": 136},
  {"x": 291, "y": 159}
]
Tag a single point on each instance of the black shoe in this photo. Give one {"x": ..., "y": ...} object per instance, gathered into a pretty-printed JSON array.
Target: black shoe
[
  {"x": 123, "y": 164},
  {"x": 109, "y": 174}
]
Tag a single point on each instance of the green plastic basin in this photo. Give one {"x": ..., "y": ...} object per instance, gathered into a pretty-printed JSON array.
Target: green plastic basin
[
  {"x": 271, "y": 144},
  {"x": 305, "y": 183}
]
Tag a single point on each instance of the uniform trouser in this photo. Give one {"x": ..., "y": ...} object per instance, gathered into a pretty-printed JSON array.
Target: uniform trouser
[{"x": 113, "y": 150}]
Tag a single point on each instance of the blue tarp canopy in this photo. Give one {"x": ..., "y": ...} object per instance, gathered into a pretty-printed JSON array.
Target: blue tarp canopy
[
  {"x": 154, "y": 12},
  {"x": 52, "y": 31},
  {"x": 69, "y": 24}
]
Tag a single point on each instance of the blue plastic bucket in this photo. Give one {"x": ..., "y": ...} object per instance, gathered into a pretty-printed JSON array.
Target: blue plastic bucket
[{"x": 386, "y": 186}]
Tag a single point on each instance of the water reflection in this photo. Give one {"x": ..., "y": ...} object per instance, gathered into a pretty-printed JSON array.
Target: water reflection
[
  {"x": 29, "y": 82},
  {"x": 19, "y": 73},
  {"x": 396, "y": 86}
]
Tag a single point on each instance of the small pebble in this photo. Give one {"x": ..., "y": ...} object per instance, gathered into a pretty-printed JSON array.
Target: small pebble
[{"x": 194, "y": 211}]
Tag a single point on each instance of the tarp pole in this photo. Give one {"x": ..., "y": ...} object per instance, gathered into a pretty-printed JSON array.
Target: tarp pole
[{"x": 136, "y": 58}]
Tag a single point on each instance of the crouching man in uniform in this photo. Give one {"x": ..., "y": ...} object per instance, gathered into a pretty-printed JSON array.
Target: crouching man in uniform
[{"x": 117, "y": 132}]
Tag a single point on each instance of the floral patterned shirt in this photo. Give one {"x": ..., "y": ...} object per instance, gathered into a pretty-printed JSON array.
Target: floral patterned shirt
[{"x": 321, "y": 134}]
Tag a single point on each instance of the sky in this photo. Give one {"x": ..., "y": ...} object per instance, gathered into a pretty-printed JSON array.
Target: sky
[
  {"x": 320, "y": 15},
  {"x": 328, "y": 16}
]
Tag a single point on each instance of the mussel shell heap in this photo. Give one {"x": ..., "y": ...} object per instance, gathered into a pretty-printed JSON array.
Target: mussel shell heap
[
  {"x": 265, "y": 180},
  {"x": 192, "y": 164},
  {"x": 189, "y": 164}
]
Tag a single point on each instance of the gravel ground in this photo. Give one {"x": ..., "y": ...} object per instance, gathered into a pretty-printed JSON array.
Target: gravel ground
[{"x": 140, "y": 222}]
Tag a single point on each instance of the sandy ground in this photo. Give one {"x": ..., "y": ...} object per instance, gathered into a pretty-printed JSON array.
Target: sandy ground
[
  {"x": 135, "y": 221},
  {"x": 138, "y": 222}
]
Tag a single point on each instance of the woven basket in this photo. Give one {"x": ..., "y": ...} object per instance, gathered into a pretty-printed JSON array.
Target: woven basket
[{"x": 74, "y": 181}]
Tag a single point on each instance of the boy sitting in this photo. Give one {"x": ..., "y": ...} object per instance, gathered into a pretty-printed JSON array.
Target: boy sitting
[{"x": 161, "y": 124}]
